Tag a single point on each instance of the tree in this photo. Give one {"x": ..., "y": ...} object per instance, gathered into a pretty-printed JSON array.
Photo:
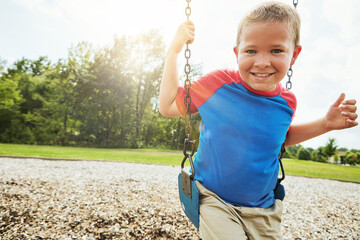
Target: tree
[
  {"x": 31, "y": 85},
  {"x": 61, "y": 100},
  {"x": 147, "y": 61},
  {"x": 115, "y": 88},
  {"x": 287, "y": 154},
  {"x": 303, "y": 154},
  {"x": 318, "y": 155},
  {"x": 292, "y": 151},
  {"x": 2, "y": 66},
  {"x": 87, "y": 103},
  {"x": 351, "y": 158},
  {"x": 10, "y": 115},
  {"x": 330, "y": 148}
]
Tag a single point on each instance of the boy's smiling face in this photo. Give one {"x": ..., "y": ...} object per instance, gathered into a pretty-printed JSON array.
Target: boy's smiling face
[{"x": 265, "y": 53}]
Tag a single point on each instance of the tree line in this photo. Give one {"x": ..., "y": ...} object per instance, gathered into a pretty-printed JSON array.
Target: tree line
[
  {"x": 328, "y": 153},
  {"x": 102, "y": 97}
]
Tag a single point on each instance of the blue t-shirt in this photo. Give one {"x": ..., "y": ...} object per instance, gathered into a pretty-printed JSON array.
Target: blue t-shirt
[{"x": 241, "y": 133}]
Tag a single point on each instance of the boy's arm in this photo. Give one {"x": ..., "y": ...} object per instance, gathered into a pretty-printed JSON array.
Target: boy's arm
[
  {"x": 338, "y": 117},
  {"x": 170, "y": 82}
]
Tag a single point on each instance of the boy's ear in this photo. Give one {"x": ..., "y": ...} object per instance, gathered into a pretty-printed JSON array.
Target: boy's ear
[
  {"x": 236, "y": 51},
  {"x": 296, "y": 53}
]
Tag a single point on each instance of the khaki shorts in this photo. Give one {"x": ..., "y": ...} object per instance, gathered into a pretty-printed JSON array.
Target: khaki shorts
[{"x": 223, "y": 221}]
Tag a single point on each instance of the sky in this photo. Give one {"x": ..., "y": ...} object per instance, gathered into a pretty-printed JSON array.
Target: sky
[{"x": 326, "y": 67}]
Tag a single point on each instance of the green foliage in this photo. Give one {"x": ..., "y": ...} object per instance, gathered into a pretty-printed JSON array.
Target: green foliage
[
  {"x": 351, "y": 158},
  {"x": 287, "y": 154},
  {"x": 303, "y": 154},
  {"x": 103, "y": 97},
  {"x": 291, "y": 152},
  {"x": 330, "y": 149},
  {"x": 318, "y": 155},
  {"x": 10, "y": 102}
]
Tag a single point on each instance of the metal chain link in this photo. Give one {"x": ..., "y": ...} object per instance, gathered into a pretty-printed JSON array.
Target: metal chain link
[
  {"x": 188, "y": 9},
  {"x": 295, "y": 2}
]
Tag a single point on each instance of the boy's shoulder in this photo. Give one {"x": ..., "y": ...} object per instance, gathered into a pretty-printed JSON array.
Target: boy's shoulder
[
  {"x": 223, "y": 73},
  {"x": 218, "y": 77},
  {"x": 289, "y": 97}
]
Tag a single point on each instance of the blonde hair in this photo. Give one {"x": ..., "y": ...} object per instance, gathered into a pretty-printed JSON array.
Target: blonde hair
[{"x": 272, "y": 11}]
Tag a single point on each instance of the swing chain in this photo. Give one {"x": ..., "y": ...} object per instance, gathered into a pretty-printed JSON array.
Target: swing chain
[
  {"x": 289, "y": 74},
  {"x": 187, "y": 83}
]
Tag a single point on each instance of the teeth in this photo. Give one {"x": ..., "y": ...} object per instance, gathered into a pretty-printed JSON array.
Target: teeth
[{"x": 262, "y": 75}]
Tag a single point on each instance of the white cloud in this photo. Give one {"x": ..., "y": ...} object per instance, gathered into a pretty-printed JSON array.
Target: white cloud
[
  {"x": 49, "y": 8},
  {"x": 346, "y": 15}
]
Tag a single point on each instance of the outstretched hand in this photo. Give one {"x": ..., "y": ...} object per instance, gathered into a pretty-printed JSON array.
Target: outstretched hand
[{"x": 342, "y": 114}]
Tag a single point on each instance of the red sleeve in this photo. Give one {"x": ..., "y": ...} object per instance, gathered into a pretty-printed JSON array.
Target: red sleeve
[
  {"x": 204, "y": 87},
  {"x": 290, "y": 99}
]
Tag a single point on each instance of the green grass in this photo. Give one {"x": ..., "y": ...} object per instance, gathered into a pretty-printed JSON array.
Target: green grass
[
  {"x": 321, "y": 170},
  {"x": 168, "y": 157},
  {"x": 149, "y": 156}
]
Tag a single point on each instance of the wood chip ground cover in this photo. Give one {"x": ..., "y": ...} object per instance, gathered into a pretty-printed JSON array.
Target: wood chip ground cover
[{"x": 41, "y": 199}]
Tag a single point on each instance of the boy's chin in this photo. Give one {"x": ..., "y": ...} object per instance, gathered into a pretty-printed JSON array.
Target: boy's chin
[{"x": 263, "y": 87}]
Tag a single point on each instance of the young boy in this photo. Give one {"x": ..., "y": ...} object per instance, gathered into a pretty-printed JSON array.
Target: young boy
[{"x": 246, "y": 116}]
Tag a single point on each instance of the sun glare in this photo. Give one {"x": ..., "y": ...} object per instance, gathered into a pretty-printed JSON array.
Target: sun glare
[{"x": 106, "y": 19}]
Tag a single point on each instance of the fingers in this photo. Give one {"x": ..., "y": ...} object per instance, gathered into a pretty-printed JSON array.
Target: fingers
[
  {"x": 350, "y": 102},
  {"x": 349, "y": 109},
  {"x": 351, "y": 116},
  {"x": 339, "y": 100},
  {"x": 351, "y": 123},
  {"x": 189, "y": 30},
  {"x": 349, "y": 106},
  {"x": 190, "y": 24},
  {"x": 185, "y": 33}
]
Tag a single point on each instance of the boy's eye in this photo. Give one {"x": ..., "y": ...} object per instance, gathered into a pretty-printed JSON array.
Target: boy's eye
[
  {"x": 276, "y": 51},
  {"x": 250, "y": 51}
]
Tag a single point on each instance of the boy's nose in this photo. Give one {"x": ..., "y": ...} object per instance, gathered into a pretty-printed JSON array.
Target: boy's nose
[{"x": 262, "y": 61}]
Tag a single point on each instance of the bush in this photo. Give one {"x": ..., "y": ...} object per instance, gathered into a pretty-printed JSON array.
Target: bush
[
  {"x": 318, "y": 156},
  {"x": 352, "y": 158},
  {"x": 292, "y": 150},
  {"x": 303, "y": 154},
  {"x": 287, "y": 154}
]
